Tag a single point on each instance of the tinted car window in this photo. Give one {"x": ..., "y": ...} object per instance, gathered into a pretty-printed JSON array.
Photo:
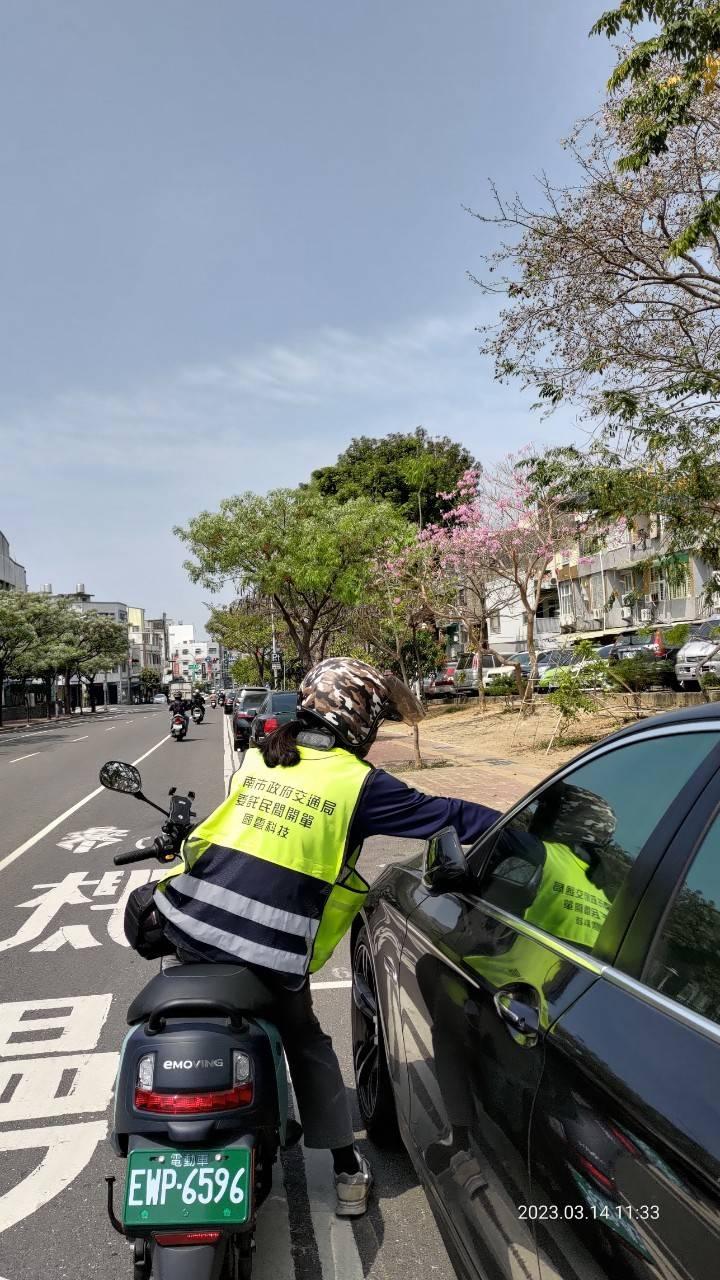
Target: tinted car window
[
  {"x": 284, "y": 701},
  {"x": 685, "y": 961},
  {"x": 251, "y": 701},
  {"x": 560, "y": 861}
]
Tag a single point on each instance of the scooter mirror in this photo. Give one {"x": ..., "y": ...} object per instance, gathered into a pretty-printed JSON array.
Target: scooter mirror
[{"x": 118, "y": 776}]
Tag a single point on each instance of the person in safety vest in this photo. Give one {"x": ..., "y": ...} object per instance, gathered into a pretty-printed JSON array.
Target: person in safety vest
[{"x": 270, "y": 878}]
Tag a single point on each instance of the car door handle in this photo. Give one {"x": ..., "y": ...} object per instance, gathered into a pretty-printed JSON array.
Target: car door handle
[{"x": 522, "y": 1017}]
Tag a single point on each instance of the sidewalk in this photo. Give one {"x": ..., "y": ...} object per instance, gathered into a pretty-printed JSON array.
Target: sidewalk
[{"x": 458, "y": 748}]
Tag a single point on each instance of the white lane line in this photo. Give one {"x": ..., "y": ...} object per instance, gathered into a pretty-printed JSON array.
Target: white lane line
[
  {"x": 231, "y": 760},
  {"x": 79, "y": 739},
  {"x": 39, "y": 835},
  {"x": 112, "y": 726},
  {"x": 28, "y": 757},
  {"x": 330, "y": 986},
  {"x": 337, "y": 1248}
]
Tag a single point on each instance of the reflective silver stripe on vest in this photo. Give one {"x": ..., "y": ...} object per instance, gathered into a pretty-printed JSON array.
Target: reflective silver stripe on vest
[
  {"x": 243, "y": 948},
  {"x": 236, "y": 904}
]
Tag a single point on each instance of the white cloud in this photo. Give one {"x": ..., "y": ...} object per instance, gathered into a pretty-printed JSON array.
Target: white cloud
[{"x": 275, "y": 412}]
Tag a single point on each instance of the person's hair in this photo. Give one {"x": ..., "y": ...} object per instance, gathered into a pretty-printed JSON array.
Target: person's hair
[{"x": 280, "y": 747}]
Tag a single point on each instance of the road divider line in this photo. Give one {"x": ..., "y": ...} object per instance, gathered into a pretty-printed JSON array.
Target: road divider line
[
  {"x": 79, "y": 739},
  {"x": 39, "y": 835},
  {"x": 28, "y": 757},
  {"x": 331, "y": 986}
]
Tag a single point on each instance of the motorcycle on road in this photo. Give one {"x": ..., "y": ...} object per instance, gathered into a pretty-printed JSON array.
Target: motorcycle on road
[
  {"x": 198, "y": 714},
  {"x": 201, "y": 1093},
  {"x": 179, "y": 726}
]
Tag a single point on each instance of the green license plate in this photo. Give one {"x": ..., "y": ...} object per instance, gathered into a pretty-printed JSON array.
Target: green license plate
[{"x": 188, "y": 1188}]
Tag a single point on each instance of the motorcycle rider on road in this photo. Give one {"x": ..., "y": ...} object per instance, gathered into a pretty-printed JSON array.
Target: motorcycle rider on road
[
  {"x": 179, "y": 707},
  {"x": 269, "y": 879}
]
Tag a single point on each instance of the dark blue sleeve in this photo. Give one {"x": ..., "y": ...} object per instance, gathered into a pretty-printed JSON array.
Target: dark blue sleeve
[{"x": 388, "y": 807}]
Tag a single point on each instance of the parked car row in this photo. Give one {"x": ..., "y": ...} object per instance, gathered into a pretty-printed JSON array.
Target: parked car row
[
  {"x": 679, "y": 666},
  {"x": 256, "y": 712}
]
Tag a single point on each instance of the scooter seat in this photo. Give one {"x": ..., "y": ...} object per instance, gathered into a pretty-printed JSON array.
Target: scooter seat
[{"x": 230, "y": 984}]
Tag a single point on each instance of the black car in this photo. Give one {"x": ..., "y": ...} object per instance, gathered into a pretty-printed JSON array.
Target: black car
[
  {"x": 277, "y": 708},
  {"x": 653, "y": 646},
  {"x": 246, "y": 704},
  {"x": 541, "y": 1017}
]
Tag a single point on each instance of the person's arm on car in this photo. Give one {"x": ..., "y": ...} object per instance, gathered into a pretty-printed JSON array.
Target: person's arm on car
[{"x": 388, "y": 807}]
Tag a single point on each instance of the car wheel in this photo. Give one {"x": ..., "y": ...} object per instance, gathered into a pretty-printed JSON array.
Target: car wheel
[{"x": 372, "y": 1078}]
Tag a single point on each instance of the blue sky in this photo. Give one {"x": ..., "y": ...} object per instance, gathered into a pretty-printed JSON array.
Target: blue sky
[{"x": 232, "y": 237}]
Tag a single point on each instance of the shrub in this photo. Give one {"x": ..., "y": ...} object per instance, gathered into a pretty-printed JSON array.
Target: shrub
[
  {"x": 710, "y": 680},
  {"x": 501, "y": 686},
  {"x": 636, "y": 673}
]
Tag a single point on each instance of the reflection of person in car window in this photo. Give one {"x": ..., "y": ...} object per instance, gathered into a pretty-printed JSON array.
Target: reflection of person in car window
[{"x": 564, "y": 841}]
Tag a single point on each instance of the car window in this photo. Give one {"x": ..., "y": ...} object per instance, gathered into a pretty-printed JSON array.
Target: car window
[
  {"x": 284, "y": 701},
  {"x": 561, "y": 860},
  {"x": 685, "y": 960},
  {"x": 252, "y": 701}
]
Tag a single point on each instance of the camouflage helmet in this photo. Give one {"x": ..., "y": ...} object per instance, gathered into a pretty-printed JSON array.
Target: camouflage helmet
[
  {"x": 574, "y": 816},
  {"x": 352, "y": 698}
]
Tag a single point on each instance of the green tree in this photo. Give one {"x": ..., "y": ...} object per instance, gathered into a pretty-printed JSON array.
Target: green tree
[
  {"x": 23, "y": 620},
  {"x": 46, "y": 656},
  {"x": 87, "y": 645},
  {"x": 310, "y": 553},
  {"x": 245, "y": 671},
  {"x": 665, "y": 78},
  {"x": 409, "y": 470},
  {"x": 246, "y": 626},
  {"x": 149, "y": 681}
]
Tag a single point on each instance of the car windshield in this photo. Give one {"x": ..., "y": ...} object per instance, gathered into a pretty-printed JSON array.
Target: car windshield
[
  {"x": 519, "y": 657},
  {"x": 709, "y": 630}
]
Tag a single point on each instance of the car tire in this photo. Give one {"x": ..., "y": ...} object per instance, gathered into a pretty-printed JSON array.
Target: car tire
[{"x": 373, "y": 1086}]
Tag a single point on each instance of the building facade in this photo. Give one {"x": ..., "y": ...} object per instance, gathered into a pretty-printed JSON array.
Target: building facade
[
  {"x": 12, "y": 574},
  {"x": 596, "y": 592}
]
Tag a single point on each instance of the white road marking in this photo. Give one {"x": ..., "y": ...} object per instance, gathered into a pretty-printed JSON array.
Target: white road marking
[
  {"x": 68, "y": 1149},
  {"x": 78, "y": 1020},
  {"x": 28, "y": 844},
  {"x": 79, "y": 739},
  {"x": 35, "y": 1091},
  {"x": 29, "y": 757},
  {"x": 230, "y": 755},
  {"x": 112, "y": 726},
  {"x": 328, "y": 986}
]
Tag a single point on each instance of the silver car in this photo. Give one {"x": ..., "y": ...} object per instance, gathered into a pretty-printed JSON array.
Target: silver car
[{"x": 702, "y": 648}]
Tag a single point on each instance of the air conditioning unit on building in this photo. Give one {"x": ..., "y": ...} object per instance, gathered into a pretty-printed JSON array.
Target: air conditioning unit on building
[
  {"x": 646, "y": 614},
  {"x": 598, "y": 614}
]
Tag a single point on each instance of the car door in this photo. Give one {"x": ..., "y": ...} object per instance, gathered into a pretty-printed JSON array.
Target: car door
[
  {"x": 486, "y": 972},
  {"x": 625, "y": 1137}
]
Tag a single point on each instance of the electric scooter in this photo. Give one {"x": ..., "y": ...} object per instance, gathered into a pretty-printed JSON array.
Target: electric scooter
[{"x": 201, "y": 1103}]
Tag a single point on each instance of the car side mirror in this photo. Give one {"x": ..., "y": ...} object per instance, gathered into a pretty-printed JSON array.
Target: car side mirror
[{"x": 445, "y": 867}]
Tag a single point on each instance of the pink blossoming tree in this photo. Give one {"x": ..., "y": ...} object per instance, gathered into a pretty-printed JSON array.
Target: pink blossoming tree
[{"x": 497, "y": 540}]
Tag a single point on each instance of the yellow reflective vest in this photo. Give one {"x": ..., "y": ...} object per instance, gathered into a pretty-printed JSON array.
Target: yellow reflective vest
[
  {"x": 268, "y": 877},
  {"x": 567, "y": 904}
]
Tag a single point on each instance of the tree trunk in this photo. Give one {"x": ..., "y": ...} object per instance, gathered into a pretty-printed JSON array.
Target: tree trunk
[
  {"x": 2, "y": 686},
  {"x": 66, "y": 691},
  {"x": 47, "y": 681},
  {"x": 91, "y": 691},
  {"x": 417, "y": 756}
]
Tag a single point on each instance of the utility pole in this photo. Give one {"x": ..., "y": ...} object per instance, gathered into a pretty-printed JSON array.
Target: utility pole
[{"x": 273, "y": 652}]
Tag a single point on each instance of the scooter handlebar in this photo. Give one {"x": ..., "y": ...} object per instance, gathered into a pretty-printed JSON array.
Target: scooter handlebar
[{"x": 121, "y": 859}]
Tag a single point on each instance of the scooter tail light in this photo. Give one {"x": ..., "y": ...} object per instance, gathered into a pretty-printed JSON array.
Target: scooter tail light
[
  {"x": 146, "y": 1072},
  {"x": 169, "y": 1238},
  {"x": 194, "y": 1104}
]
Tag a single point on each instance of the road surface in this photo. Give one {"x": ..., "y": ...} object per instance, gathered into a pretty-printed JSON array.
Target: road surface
[{"x": 66, "y": 978}]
